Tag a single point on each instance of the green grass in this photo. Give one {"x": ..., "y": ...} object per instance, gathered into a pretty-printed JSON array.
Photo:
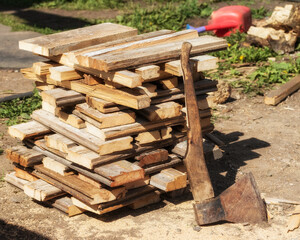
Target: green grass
[
  {"x": 19, "y": 110},
  {"x": 260, "y": 13}
]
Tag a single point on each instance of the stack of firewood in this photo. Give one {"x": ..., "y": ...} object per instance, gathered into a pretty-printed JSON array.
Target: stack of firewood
[{"x": 112, "y": 130}]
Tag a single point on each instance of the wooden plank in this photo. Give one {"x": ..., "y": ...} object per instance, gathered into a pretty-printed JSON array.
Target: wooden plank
[
  {"x": 276, "y": 96},
  {"x": 47, "y": 152},
  {"x": 194, "y": 160},
  {"x": 155, "y": 54},
  {"x": 148, "y": 72},
  {"x": 14, "y": 180},
  {"x": 89, "y": 57},
  {"x": 64, "y": 73},
  {"x": 20, "y": 173},
  {"x": 154, "y": 136},
  {"x": 66, "y": 41},
  {"x": 43, "y": 86},
  {"x": 148, "y": 89},
  {"x": 27, "y": 130},
  {"x": 41, "y": 190},
  {"x": 59, "y": 142},
  {"x": 148, "y": 158},
  {"x": 42, "y": 68},
  {"x": 98, "y": 195},
  {"x": 103, "y": 106},
  {"x": 169, "y": 179},
  {"x": 172, "y": 161},
  {"x": 146, "y": 200},
  {"x": 91, "y": 80},
  {"x": 169, "y": 83},
  {"x": 60, "y": 97},
  {"x": 89, "y": 180},
  {"x": 81, "y": 136},
  {"x": 107, "y": 119},
  {"x": 66, "y": 205},
  {"x": 71, "y": 119},
  {"x": 138, "y": 183},
  {"x": 121, "y": 172},
  {"x": 50, "y": 108},
  {"x": 198, "y": 64},
  {"x": 71, "y": 57},
  {"x": 55, "y": 166},
  {"x": 162, "y": 111},
  {"x": 139, "y": 126},
  {"x": 126, "y": 97},
  {"x": 24, "y": 156}
]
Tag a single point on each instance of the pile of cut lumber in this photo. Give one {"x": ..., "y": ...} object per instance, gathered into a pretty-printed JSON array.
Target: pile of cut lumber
[{"x": 112, "y": 128}]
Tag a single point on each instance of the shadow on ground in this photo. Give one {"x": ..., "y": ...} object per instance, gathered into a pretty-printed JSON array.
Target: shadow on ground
[
  {"x": 52, "y": 21},
  {"x": 11, "y": 231},
  {"x": 236, "y": 154}
]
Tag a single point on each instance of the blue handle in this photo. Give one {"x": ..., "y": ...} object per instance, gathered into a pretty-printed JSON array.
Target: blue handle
[{"x": 199, "y": 29}]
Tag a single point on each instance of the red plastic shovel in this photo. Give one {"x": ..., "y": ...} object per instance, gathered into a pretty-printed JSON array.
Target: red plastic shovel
[{"x": 226, "y": 20}]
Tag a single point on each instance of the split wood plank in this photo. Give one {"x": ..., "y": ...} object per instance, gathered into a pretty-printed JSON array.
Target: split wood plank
[
  {"x": 276, "y": 96},
  {"x": 56, "y": 166},
  {"x": 155, "y": 54},
  {"x": 103, "y": 106},
  {"x": 172, "y": 161},
  {"x": 59, "y": 142},
  {"x": 64, "y": 73},
  {"x": 148, "y": 158},
  {"x": 20, "y": 173},
  {"x": 66, "y": 41},
  {"x": 14, "y": 180},
  {"x": 107, "y": 120},
  {"x": 126, "y": 97},
  {"x": 138, "y": 183},
  {"x": 66, "y": 205},
  {"x": 42, "y": 68},
  {"x": 89, "y": 180},
  {"x": 60, "y": 97},
  {"x": 154, "y": 136},
  {"x": 41, "y": 190},
  {"x": 148, "y": 72},
  {"x": 43, "y": 86},
  {"x": 71, "y": 56},
  {"x": 211, "y": 151},
  {"x": 50, "y": 108},
  {"x": 169, "y": 179},
  {"x": 198, "y": 64},
  {"x": 162, "y": 111},
  {"x": 141, "y": 125},
  {"x": 121, "y": 172},
  {"x": 47, "y": 152},
  {"x": 27, "y": 130},
  {"x": 169, "y": 83},
  {"x": 148, "y": 89},
  {"x": 91, "y": 80},
  {"x": 98, "y": 195},
  {"x": 71, "y": 119},
  {"x": 146, "y": 200},
  {"x": 24, "y": 156},
  {"x": 81, "y": 136},
  {"x": 168, "y": 38}
]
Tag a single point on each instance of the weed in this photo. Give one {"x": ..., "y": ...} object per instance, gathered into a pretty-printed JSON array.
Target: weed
[
  {"x": 260, "y": 13},
  {"x": 19, "y": 110},
  {"x": 167, "y": 16},
  {"x": 266, "y": 76}
]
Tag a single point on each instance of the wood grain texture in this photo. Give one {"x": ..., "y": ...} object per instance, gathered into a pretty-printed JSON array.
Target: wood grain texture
[
  {"x": 276, "y": 96},
  {"x": 194, "y": 160},
  {"x": 66, "y": 41}
]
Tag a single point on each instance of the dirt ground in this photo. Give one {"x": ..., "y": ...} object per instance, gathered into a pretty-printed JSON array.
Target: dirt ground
[{"x": 259, "y": 138}]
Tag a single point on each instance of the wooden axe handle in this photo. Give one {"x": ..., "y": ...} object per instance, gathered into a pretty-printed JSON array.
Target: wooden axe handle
[{"x": 194, "y": 160}]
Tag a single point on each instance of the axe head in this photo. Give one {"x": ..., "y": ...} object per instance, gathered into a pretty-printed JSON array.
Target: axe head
[{"x": 240, "y": 203}]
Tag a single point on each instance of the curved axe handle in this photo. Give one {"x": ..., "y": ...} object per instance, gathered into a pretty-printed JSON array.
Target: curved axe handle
[{"x": 194, "y": 160}]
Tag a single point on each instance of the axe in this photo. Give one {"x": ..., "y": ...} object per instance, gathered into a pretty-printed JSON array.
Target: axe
[{"x": 239, "y": 203}]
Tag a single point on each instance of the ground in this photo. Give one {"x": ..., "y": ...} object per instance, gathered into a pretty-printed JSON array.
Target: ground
[{"x": 261, "y": 139}]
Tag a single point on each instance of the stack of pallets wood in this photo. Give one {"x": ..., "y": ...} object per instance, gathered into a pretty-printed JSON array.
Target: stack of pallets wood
[{"x": 111, "y": 131}]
